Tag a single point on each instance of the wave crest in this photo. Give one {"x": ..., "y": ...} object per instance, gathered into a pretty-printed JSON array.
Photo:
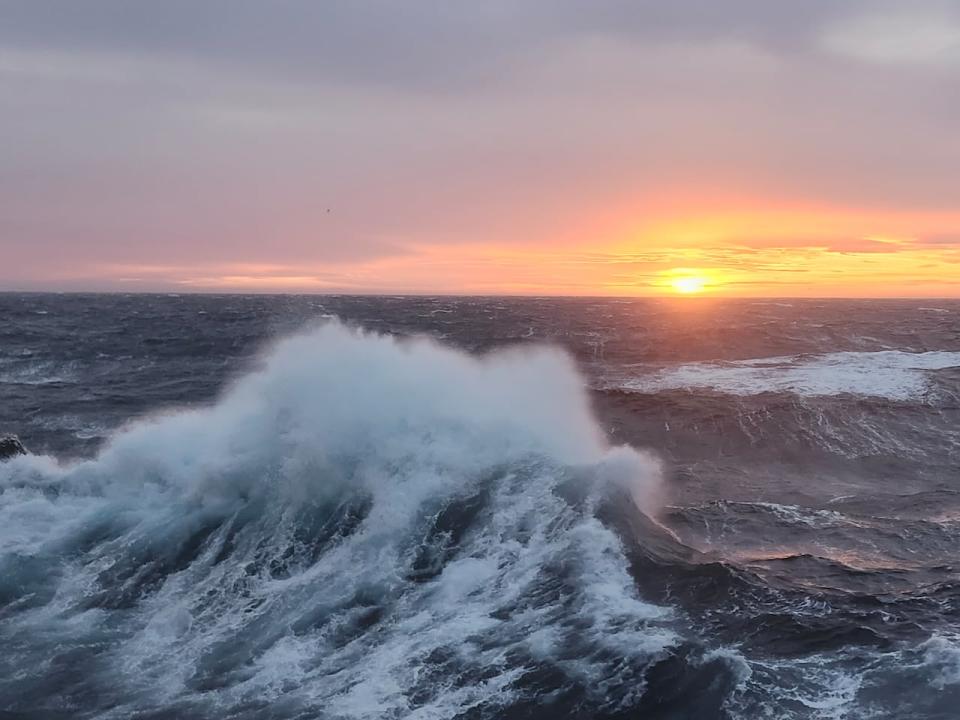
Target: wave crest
[{"x": 363, "y": 524}]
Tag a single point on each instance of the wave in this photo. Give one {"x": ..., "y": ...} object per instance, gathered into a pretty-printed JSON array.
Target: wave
[
  {"x": 891, "y": 374},
  {"x": 362, "y": 525}
]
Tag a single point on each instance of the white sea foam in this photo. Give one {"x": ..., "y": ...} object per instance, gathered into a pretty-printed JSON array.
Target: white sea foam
[
  {"x": 942, "y": 655},
  {"x": 888, "y": 374},
  {"x": 29, "y": 372},
  {"x": 339, "y": 424}
]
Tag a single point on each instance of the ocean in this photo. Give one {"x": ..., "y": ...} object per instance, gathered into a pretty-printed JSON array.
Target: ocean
[{"x": 429, "y": 507}]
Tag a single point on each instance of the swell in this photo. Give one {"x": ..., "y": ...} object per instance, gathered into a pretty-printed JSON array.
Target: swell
[{"x": 901, "y": 446}]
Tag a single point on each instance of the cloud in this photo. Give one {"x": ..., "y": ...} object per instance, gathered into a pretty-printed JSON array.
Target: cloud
[
  {"x": 427, "y": 43},
  {"x": 863, "y": 245},
  {"x": 208, "y": 134},
  {"x": 948, "y": 240},
  {"x": 828, "y": 244},
  {"x": 898, "y": 36}
]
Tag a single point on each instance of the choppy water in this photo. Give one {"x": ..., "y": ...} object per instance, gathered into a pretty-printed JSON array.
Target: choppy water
[{"x": 236, "y": 507}]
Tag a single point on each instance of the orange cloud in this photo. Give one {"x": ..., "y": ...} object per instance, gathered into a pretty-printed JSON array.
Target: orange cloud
[{"x": 725, "y": 246}]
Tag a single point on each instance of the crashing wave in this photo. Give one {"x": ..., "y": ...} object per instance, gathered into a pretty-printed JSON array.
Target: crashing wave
[{"x": 374, "y": 527}]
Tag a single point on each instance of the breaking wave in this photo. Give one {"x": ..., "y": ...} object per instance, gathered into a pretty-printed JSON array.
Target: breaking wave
[
  {"x": 890, "y": 374},
  {"x": 374, "y": 527}
]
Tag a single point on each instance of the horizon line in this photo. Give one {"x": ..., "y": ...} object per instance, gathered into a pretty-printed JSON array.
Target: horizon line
[{"x": 525, "y": 296}]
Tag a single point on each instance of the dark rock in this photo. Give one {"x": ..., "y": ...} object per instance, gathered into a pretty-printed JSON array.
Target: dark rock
[{"x": 10, "y": 446}]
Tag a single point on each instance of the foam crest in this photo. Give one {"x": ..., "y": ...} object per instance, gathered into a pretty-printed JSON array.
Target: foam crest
[
  {"x": 337, "y": 398},
  {"x": 890, "y": 374}
]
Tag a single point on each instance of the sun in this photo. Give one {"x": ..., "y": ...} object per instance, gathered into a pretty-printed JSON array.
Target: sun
[{"x": 688, "y": 284}]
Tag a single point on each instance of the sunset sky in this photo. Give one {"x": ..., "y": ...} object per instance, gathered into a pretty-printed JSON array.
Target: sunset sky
[{"x": 610, "y": 147}]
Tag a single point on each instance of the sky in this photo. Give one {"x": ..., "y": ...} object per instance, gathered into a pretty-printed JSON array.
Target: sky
[{"x": 546, "y": 147}]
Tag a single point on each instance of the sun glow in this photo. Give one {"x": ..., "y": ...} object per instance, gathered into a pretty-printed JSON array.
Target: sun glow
[{"x": 688, "y": 284}]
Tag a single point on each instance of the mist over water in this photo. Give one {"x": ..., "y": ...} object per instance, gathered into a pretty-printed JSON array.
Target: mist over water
[{"x": 549, "y": 509}]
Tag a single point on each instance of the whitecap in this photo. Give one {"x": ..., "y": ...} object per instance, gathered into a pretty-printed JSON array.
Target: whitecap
[{"x": 891, "y": 374}]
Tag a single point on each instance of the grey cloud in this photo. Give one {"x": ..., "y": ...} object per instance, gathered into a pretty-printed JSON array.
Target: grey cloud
[
  {"x": 424, "y": 44},
  {"x": 128, "y": 127}
]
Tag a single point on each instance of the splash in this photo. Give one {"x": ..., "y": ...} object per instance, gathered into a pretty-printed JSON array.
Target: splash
[{"x": 363, "y": 525}]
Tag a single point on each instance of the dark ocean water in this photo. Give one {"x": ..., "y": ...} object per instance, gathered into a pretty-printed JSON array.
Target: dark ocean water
[{"x": 557, "y": 508}]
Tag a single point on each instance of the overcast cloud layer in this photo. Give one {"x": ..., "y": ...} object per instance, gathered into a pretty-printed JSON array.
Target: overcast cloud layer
[{"x": 144, "y": 145}]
